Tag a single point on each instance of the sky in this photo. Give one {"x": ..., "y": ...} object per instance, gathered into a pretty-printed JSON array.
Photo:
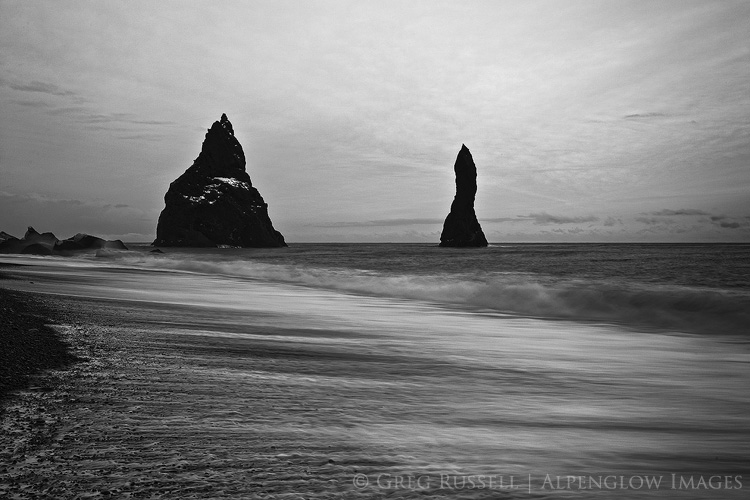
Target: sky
[{"x": 589, "y": 121}]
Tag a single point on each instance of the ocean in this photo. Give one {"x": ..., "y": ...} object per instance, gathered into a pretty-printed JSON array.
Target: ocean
[
  {"x": 409, "y": 370},
  {"x": 701, "y": 288}
]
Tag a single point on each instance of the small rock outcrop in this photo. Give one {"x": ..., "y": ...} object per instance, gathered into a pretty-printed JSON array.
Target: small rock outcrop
[
  {"x": 5, "y": 236},
  {"x": 36, "y": 243},
  {"x": 214, "y": 203},
  {"x": 461, "y": 228},
  {"x": 82, "y": 241}
]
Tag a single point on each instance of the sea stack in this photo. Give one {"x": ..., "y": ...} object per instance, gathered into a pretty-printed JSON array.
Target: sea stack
[
  {"x": 214, "y": 203},
  {"x": 461, "y": 228}
]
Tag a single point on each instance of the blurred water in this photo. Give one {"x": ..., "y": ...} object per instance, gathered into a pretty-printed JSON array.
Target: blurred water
[
  {"x": 422, "y": 385},
  {"x": 697, "y": 264},
  {"x": 697, "y": 288}
]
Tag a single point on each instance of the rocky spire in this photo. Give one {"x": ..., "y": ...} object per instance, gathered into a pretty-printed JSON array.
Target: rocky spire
[
  {"x": 221, "y": 153},
  {"x": 461, "y": 227},
  {"x": 213, "y": 202}
]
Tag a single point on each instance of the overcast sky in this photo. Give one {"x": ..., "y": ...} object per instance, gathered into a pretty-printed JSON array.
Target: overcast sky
[{"x": 588, "y": 120}]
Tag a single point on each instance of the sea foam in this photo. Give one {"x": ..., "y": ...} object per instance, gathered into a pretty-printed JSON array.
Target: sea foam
[{"x": 643, "y": 305}]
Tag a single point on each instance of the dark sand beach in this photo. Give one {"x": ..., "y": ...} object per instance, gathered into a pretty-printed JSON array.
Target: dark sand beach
[
  {"x": 144, "y": 413},
  {"x": 28, "y": 345}
]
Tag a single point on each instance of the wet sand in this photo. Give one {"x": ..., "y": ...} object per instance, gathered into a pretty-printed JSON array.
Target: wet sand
[
  {"x": 146, "y": 414},
  {"x": 170, "y": 399}
]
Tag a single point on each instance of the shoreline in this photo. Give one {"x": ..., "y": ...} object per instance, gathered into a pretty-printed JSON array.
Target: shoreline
[
  {"x": 28, "y": 344},
  {"x": 40, "y": 368},
  {"x": 150, "y": 413}
]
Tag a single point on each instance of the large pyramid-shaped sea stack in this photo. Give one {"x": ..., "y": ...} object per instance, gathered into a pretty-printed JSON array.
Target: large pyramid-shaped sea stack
[
  {"x": 214, "y": 203},
  {"x": 461, "y": 228}
]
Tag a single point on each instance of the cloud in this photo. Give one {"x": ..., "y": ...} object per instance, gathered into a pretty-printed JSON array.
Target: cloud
[
  {"x": 682, "y": 211},
  {"x": 32, "y": 104},
  {"x": 501, "y": 219},
  {"x": 41, "y": 87},
  {"x": 141, "y": 137},
  {"x": 84, "y": 115},
  {"x": 727, "y": 222},
  {"x": 38, "y": 198},
  {"x": 382, "y": 222},
  {"x": 80, "y": 112},
  {"x": 346, "y": 235},
  {"x": 719, "y": 220},
  {"x": 64, "y": 216},
  {"x": 643, "y": 116},
  {"x": 611, "y": 221},
  {"x": 545, "y": 218},
  {"x": 653, "y": 220},
  {"x": 130, "y": 118},
  {"x": 540, "y": 218}
]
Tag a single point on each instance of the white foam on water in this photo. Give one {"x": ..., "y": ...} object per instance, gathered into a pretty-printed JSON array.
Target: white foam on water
[{"x": 681, "y": 308}]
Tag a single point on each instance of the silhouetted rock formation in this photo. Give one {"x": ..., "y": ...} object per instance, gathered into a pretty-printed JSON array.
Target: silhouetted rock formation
[
  {"x": 46, "y": 239},
  {"x": 48, "y": 244},
  {"x": 461, "y": 228},
  {"x": 214, "y": 203},
  {"x": 9, "y": 243},
  {"x": 5, "y": 236},
  {"x": 83, "y": 241}
]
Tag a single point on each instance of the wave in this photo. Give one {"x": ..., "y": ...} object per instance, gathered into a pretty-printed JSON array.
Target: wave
[{"x": 643, "y": 305}]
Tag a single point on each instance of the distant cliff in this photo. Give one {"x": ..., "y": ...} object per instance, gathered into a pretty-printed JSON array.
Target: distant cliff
[
  {"x": 461, "y": 228},
  {"x": 214, "y": 203}
]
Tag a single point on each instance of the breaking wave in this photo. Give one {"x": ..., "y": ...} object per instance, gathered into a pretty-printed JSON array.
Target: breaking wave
[{"x": 642, "y": 305}]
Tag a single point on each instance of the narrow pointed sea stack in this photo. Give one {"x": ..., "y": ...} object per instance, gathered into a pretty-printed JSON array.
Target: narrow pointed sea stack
[
  {"x": 214, "y": 203},
  {"x": 461, "y": 228}
]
